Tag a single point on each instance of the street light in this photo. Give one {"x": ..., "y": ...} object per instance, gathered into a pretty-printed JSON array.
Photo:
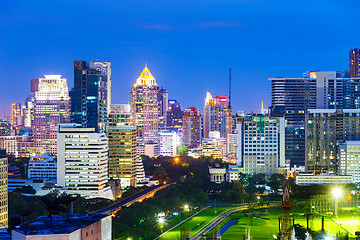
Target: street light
[
  {"x": 186, "y": 207},
  {"x": 337, "y": 192},
  {"x": 161, "y": 220},
  {"x": 258, "y": 197}
]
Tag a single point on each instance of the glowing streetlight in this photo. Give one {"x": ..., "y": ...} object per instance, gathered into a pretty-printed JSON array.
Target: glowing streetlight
[
  {"x": 337, "y": 192},
  {"x": 161, "y": 220},
  {"x": 186, "y": 207},
  {"x": 328, "y": 238},
  {"x": 258, "y": 197}
]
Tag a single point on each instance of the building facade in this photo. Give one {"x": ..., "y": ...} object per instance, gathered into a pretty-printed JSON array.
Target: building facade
[
  {"x": 42, "y": 167},
  {"x": 3, "y": 189},
  {"x": 354, "y": 62},
  {"x": 91, "y": 95},
  {"x": 51, "y": 107},
  {"x": 174, "y": 116},
  {"x": 214, "y": 146},
  {"x": 349, "y": 160},
  {"x": 16, "y": 114},
  {"x": 5, "y": 128},
  {"x": 191, "y": 129},
  {"x": 122, "y": 137},
  {"x": 82, "y": 161},
  {"x": 325, "y": 130},
  {"x": 261, "y": 143},
  {"x": 169, "y": 142},
  {"x": 217, "y": 115}
]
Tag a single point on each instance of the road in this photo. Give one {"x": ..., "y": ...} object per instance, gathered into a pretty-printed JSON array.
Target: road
[
  {"x": 217, "y": 220},
  {"x": 134, "y": 198}
]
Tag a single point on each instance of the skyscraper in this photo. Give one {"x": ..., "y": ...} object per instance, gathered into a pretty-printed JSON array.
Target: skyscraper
[
  {"x": 191, "y": 129},
  {"x": 91, "y": 95},
  {"x": 291, "y": 97},
  {"x": 16, "y": 114},
  {"x": 122, "y": 146},
  {"x": 217, "y": 115},
  {"x": 174, "y": 116},
  {"x": 148, "y": 107},
  {"x": 3, "y": 189},
  {"x": 326, "y": 130},
  {"x": 51, "y": 107},
  {"x": 354, "y": 62}
]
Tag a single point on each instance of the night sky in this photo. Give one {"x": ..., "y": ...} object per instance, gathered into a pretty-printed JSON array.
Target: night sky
[{"x": 188, "y": 45}]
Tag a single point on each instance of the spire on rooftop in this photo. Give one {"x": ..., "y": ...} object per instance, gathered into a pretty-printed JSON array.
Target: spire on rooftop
[{"x": 145, "y": 78}]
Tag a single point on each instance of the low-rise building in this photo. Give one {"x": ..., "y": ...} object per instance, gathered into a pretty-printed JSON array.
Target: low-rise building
[
  {"x": 76, "y": 227},
  {"x": 217, "y": 174},
  {"x": 309, "y": 178},
  {"x": 42, "y": 167}
]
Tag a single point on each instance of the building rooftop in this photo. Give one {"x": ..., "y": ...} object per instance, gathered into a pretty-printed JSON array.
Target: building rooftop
[{"x": 60, "y": 224}]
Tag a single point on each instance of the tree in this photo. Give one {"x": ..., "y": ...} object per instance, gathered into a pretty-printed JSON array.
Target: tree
[
  {"x": 183, "y": 150},
  {"x": 276, "y": 181}
]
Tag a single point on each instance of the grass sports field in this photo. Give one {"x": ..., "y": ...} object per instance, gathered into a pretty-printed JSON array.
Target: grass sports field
[
  {"x": 195, "y": 223},
  {"x": 265, "y": 229}
]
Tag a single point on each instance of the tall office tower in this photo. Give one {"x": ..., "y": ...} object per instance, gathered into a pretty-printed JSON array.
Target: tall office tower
[
  {"x": 261, "y": 143},
  {"x": 217, "y": 115},
  {"x": 16, "y": 114},
  {"x": 51, "y": 107},
  {"x": 122, "y": 147},
  {"x": 191, "y": 129},
  {"x": 354, "y": 62},
  {"x": 5, "y": 128},
  {"x": 82, "y": 161},
  {"x": 231, "y": 146},
  {"x": 290, "y": 97},
  {"x": 174, "y": 116},
  {"x": 3, "y": 189},
  {"x": 349, "y": 153},
  {"x": 148, "y": 107},
  {"x": 91, "y": 95},
  {"x": 169, "y": 142},
  {"x": 325, "y": 130},
  {"x": 28, "y": 108}
]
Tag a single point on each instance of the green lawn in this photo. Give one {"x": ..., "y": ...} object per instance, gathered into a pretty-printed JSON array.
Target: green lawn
[
  {"x": 265, "y": 229},
  {"x": 197, "y": 222}
]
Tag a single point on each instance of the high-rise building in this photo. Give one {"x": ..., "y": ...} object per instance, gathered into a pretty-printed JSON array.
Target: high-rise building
[
  {"x": 91, "y": 95},
  {"x": 231, "y": 146},
  {"x": 122, "y": 146},
  {"x": 19, "y": 146},
  {"x": 148, "y": 107},
  {"x": 191, "y": 129},
  {"x": 82, "y": 161},
  {"x": 169, "y": 142},
  {"x": 3, "y": 189},
  {"x": 5, "y": 128},
  {"x": 291, "y": 97},
  {"x": 51, "y": 107},
  {"x": 42, "y": 167},
  {"x": 325, "y": 130},
  {"x": 16, "y": 114},
  {"x": 217, "y": 115},
  {"x": 174, "y": 116},
  {"x": 261, "y": 143},
  {"x": 354, "y": 62},
  {"x": 28, "y": 111},
  {"x": 349, "y": 157}
]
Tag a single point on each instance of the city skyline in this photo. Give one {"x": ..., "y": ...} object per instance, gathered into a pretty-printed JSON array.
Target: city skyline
[{"x": 187, "y": 57}]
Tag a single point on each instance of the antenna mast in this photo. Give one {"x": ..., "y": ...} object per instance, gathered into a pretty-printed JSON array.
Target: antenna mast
[{"x": 229, "y": 88}]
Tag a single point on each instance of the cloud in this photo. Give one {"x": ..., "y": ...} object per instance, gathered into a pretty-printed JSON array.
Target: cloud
[{"x": 218, "y": 24}]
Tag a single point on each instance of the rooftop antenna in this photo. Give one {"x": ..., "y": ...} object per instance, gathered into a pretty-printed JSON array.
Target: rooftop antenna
[{"x": 229, "y": 88}]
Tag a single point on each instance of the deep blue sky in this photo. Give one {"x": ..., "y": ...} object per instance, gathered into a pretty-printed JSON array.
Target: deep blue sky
[{"x": 188, "y": 45}]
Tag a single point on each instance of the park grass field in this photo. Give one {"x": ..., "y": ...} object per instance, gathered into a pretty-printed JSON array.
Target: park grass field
[
  {"x": 265, "y": 229},
  {"x": 196, "y": 222}
]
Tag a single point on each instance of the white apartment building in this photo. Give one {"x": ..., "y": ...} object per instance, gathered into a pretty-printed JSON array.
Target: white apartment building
[
  {"x": 42, "y": 167},
  {"x": 82, "y": 161},
  {"x": 169, "y": 142},
  {"x": 349, "y": 160},
  {"x": 261, "y": 143}
]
